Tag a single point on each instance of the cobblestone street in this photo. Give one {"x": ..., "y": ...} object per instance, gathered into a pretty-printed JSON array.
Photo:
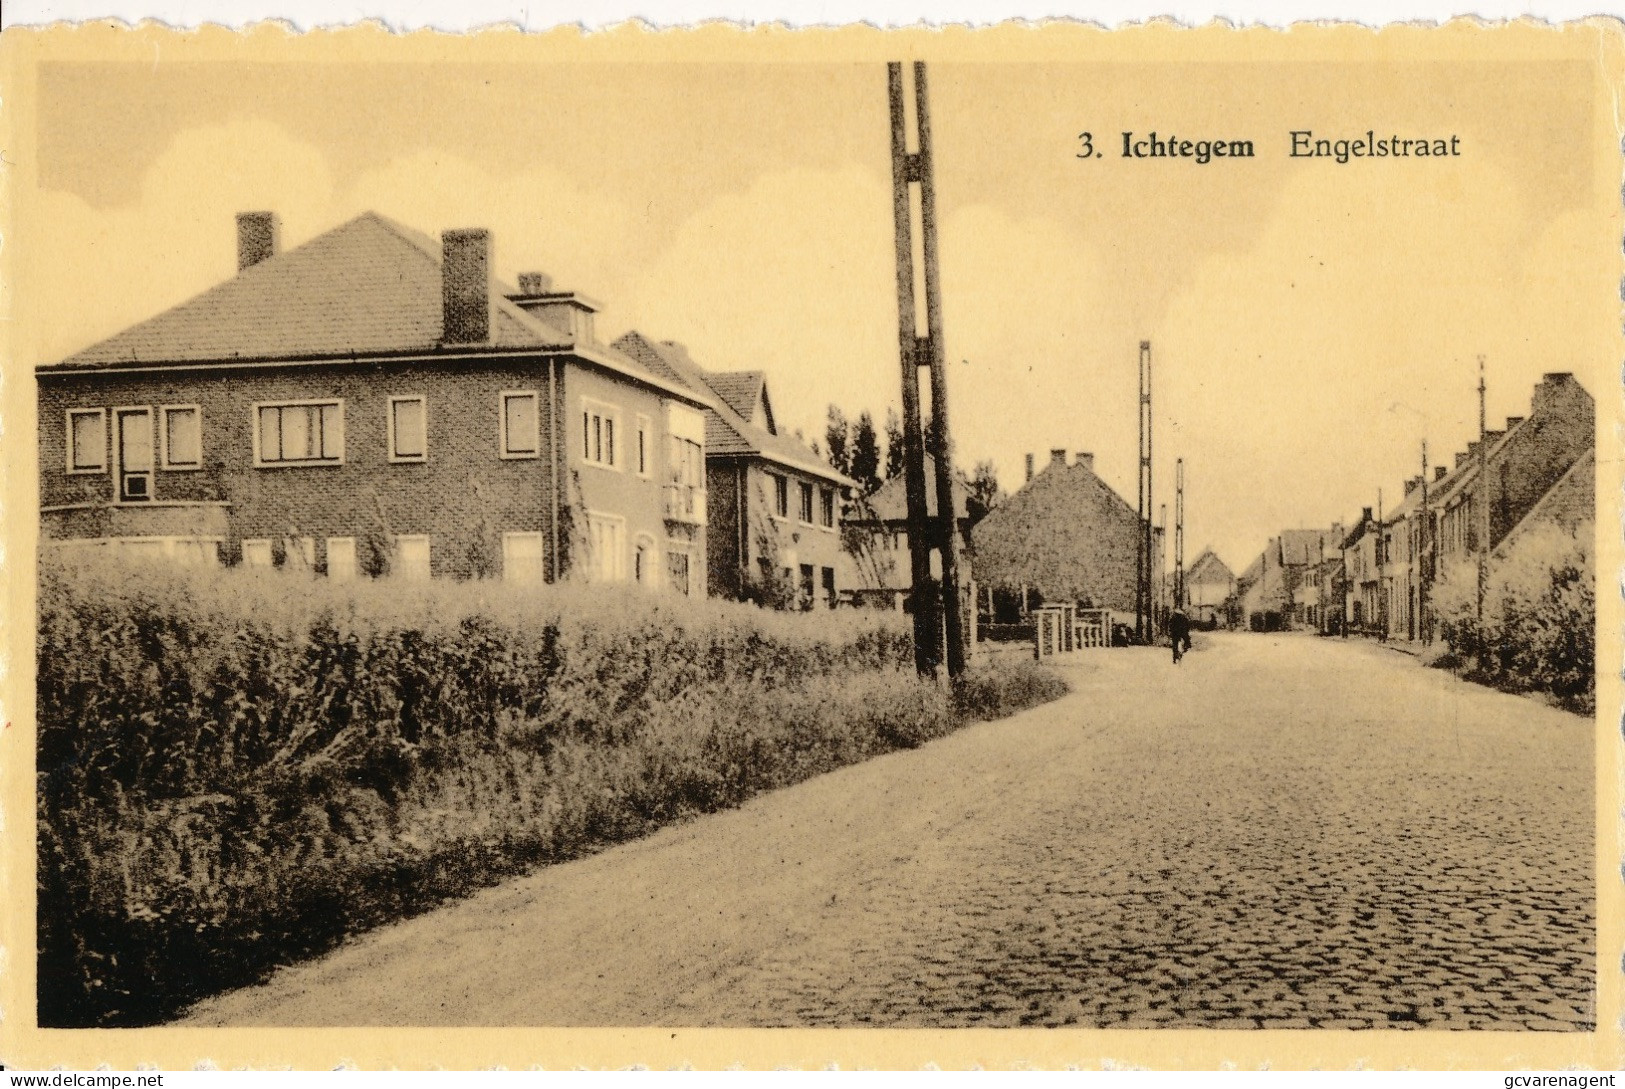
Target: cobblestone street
[{"x": 1281, "y": 832}]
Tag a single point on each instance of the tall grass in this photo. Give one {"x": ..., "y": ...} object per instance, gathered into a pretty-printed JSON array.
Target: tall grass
[
  {"x": 1538, "y": 631},
  {"x": 236, "y": 769}
]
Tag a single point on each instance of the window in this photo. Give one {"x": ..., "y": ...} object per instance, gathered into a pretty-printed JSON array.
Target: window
[
  {"x": 408, "y": 429},
  {"x": 412, "y": 557},
  {"x": 830, "y": 598},
  {"x": 87, "y": 440},
  {"x": 677, "y": 571},
  {"x": 257, "y": 553},
  {"x": 522, "y": 556},
  {"x": 521, "y": 424},
  {"x": 781, "y": 496},
  {"x": 180, "y": 437},
  {"x": 598, "y": 433},
  {"x": 643, "y": 452},
  {"x": 341, "y": 564},
  {"x": 826, "y": 507},
  {"x": 806, "y": 595},
  {"x": 685, "y": 479},
  {"x": 805, "y": 507},
  {"x": 299, "y": 433},
  {"x": 606, "y": 547}
]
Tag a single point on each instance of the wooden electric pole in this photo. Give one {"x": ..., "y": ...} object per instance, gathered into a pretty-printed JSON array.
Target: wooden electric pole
[
  {"x": 1179, "y": 534},
  {"x": 938, "y": 622},
  {"x": 1424, "y": 558},
  {"x": 1144, "y": 623},
  {"x": 1483, "y": 517}
]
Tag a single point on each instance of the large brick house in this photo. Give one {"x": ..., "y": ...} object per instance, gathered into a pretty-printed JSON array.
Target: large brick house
[
  {"x": 1067, "y": 536},
  {"x": 373, "y": 401},
  {"x": 775, "y": 505}
]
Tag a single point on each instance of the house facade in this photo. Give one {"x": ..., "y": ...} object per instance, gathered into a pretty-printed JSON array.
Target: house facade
[
  {"x": 877, "y": 546},
  {"x": 1281, "y": 590},
  {"x": 774, "y": 505},
  {"x": 1067, "y": 536},
  {"x": 371, "y": 402},
  {"x": 1208, "y": 585}
]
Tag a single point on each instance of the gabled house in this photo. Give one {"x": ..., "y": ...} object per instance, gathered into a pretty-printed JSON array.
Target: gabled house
[
  {"x": 375, "y": 401},
  {"x": 1208, "y": 585},
  {"x": 1522, "y": 463},
  {"x": 1067, "y": 536},
  {"x": 1281, "y": 589},
  {"x": 877, "y": 548},
  {"x": 775, "y": 505}
]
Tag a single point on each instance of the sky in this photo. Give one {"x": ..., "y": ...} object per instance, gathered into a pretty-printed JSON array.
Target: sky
[{"x": 1311, "y": 323}]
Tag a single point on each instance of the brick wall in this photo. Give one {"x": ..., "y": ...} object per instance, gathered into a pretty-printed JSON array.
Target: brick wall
[{"x": 464, "y": 496}]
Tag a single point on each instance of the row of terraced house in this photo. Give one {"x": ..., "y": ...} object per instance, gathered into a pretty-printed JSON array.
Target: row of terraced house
[
  {"x": 1374, "y": 577},
  {"x": 376, "y": 402}
]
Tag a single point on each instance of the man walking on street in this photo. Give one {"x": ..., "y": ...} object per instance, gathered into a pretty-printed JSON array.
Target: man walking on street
[{"x": 1179, "y": 633}]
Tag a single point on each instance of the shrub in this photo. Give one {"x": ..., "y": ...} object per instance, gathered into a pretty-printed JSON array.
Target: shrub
[
  {"x": 239, "y": 768},
  {"x": 1540, "y": 613}
]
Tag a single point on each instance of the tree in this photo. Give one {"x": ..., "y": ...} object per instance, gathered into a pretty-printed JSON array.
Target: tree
[
  {"x": 894, "y": 444},
  {"x": 984, "y": 491},
  {"x": 865, "y": 455},
  {"x": 838, "y": 441}
]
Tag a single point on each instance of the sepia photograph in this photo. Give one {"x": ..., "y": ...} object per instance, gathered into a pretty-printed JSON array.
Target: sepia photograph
[{"x": 1080, "y": 534}]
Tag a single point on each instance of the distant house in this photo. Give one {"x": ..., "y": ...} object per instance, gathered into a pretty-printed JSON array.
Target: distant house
[
  {"x": 1537, "y": 467},
  {"x": 775, "y": 505},
  {"x": 1208, "y": 585},
  {"x": 877, "y": 550},
  {"x": 372, "y": 402},
  {"x": 1066, "y": 536},
  {"x": 1281, "y": 589}
]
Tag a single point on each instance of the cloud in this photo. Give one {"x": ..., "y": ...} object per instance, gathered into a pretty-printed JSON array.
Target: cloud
[
  {"x": 794, "y": 276},
  {"x": 94, "y": 271}
]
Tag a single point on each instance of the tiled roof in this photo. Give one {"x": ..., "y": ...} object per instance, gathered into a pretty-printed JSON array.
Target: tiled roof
[
  {"x": 1209, "y": 567},
  {"x": 1302, "y": 546},
  {"x": 890, "y": 503},
  {"x": 741, "y": 389},
  {"x": 368, "y": 286},
  {"x": 727, "y": 432}
]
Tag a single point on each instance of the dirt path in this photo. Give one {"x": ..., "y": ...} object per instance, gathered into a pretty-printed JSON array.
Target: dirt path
[{"x": 1283, "y": 831}]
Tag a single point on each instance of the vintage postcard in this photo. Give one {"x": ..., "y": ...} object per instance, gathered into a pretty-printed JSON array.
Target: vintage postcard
[{"x": 1026, "y": 546}]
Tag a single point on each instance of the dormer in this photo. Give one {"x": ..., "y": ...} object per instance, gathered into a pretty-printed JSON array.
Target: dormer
[{"x": 567, "y": 311}]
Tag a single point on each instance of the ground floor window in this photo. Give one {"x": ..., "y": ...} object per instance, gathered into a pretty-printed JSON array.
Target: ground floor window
[
  {"x": 341, "y": 561},
  {"x": 522, "y": 557},
  {"x": 411, "y": 557},
  {"x": 677, "y": 571},
  {"x": 806, "y": 586},
  {"x": 829, "y": 586}
]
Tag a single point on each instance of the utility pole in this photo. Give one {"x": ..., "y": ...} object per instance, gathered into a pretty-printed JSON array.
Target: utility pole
[
  {"x": 1483, "y": 518},
  {"x": 938, "y": 625},
  {"x": 1179, "y": 534},
  {"x": 1424, "y": 558},
  {"x": 1382, "y": 589},
  {"x": 1144, "y": 623},
  {"x": 1164, "y": 591}
]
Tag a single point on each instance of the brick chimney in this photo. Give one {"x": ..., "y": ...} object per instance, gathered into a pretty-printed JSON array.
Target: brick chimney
[
  {"x": 465, "y": 286},
  {"x": 1551, "y": 392},
  {"x": 567, "y": 311},
  {"x": 258, "y": 236},
  {"x": 1462, "y": 456},
  {"x": 1029, "y": 468},
  {"x": 1365, "y": 514},
  {"x": 1084, "y": 458},
  {"x": 1513, "y": 421},
  {"x": 1412, "y": 484},
  {"x": 1057, "y": 458},
  {"x": 1438, "y": 473}
]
